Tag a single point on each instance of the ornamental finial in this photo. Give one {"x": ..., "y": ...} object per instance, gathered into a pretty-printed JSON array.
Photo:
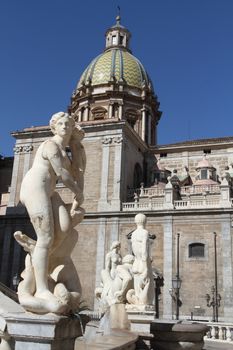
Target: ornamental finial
[{"x": 118, "y": 18}]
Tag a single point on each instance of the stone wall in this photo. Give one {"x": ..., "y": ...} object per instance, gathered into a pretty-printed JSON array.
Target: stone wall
[
  {"x": 97, "y": 232},
  {"x": 220, "y": 157}
]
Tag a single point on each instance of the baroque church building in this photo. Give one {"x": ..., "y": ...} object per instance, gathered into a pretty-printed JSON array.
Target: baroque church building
[{"x": 184, "y": 189}]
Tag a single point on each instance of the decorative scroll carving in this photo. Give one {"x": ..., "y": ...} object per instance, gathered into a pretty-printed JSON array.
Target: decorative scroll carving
[
  {"x": 107, "y": 140},
  {"x": 118, "y": 139},
  {"x": 23, "y": 149}
]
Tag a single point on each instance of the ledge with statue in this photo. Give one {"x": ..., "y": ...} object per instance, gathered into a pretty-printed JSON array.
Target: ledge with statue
[{"x": 171, "y": 190}]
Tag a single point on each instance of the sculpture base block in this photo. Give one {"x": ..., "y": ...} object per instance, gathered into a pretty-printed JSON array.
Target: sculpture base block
[
  {"x": 118, "y": 317},
  {"x": 140, "y": 321},
  {"x": 43, "y": 332}
]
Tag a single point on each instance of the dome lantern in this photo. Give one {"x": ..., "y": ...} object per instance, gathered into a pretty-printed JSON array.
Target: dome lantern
[{"x": 117, "y": 36}]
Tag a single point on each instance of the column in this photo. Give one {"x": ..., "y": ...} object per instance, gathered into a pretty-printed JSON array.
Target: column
[
  {"x": 167, "y": 267},
  {"x": 80, "y": 115},
  {"x": 100, "y": 255},
  {"x": 103, "y": 204},
  {"x": 110, "y": 109},
  {"x": 86, "y": 114},
  {"x": 227, "y": 277},
  {"x": 120, "y": 110},
  {"x": 149, "y": 129},
  {"x": 143, "y": 124}
]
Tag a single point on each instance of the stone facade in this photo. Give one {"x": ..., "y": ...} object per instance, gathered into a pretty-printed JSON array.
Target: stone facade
[{"x": 128, "y": 173}]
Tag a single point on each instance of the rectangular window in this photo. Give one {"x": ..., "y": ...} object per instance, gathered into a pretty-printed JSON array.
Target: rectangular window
[
  {"x": 196, "y": 250},
  {"x": 162, "y": 155},
  {"x": 114, "y": 40},
  {"x": 203, "y": 174}
]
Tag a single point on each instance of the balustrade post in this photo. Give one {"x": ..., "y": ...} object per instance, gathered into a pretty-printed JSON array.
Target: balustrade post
[
  {"x": 213, "y": 332},
  {"x": 168, "y": 196},
  {"x": 150, "y": 202},
  {"x": 220, "y": 333},
  {"x": 225, "y": 193},
  {"x": 228, "y": 334}
]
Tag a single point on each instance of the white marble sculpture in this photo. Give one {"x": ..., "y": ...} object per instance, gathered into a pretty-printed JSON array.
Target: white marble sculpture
[
  {"x": 47, "y": 278},
  {"x": 142, "y": 295},
  {"x": 116, "y": 278}
]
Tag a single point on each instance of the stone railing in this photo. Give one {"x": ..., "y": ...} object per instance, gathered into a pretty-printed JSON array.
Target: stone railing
[
  {"x": 197, "y": 203},
  {"x": 199, "y": 189},
  {"x": 145, "y": 192},
  {"x": 220, "y": 332},
  {"x": 179, "y": 205},
  {"x": 185, "y": 190},
  {"x": 149, "y": 205}
]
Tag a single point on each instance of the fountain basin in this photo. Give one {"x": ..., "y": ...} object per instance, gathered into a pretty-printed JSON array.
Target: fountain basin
[{"x": 177, "y": 335}]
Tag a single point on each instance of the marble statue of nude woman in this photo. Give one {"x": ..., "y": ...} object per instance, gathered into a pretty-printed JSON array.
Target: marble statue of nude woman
[{"x": 50, "y": 217}]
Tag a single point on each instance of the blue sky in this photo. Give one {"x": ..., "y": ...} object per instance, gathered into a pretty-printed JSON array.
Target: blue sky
[{"x": 185, "y": 45}]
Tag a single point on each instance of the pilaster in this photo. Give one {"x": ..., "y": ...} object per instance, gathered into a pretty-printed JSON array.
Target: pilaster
[
  {"x": 115, "y": 202},
  {"x": 25, "y": 150},
  {"x": 227, "y": 276},
  {"x": 17, "y": 151},
  {"x": 100, "y": 254},
  {"x": 167, "y": 267},
  {"x": 103, "y": 204}
]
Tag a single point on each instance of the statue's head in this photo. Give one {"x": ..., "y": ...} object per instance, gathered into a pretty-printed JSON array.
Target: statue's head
[
  {"x": 58, "y": 116},
  {"x": 115, "y": 245},
  {"x": 140, "y": 219}
]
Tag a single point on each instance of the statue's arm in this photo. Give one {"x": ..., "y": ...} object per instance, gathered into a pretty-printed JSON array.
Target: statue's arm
[
  {"x": 145, "y": 246},
  {"x": 52, "y": 153},
  {"x": 108, "y": 261}
]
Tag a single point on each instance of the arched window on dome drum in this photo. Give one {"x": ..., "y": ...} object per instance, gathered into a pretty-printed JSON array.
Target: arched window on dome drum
[
  {"x": 137, "y": 176},
  {"x": 196, "y": 250},
  {"x": 115, "y": 110},
  {"x": 131, "y": 117},
  {"x": 98, "y": 113}
]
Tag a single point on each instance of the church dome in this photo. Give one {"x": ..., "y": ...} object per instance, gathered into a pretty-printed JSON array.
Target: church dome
[
  {"x": 118, "y": 65},
  {"x": 115, "y": 86}
]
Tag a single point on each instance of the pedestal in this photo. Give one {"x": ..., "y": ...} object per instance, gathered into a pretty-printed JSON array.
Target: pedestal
[
  {"x": 43, "y": 332},
  {"x": 140, "y": 321}
]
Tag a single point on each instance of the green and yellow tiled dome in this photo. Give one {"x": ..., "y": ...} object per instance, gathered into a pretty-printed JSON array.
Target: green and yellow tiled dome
[{"x": 116, "y": 64}]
